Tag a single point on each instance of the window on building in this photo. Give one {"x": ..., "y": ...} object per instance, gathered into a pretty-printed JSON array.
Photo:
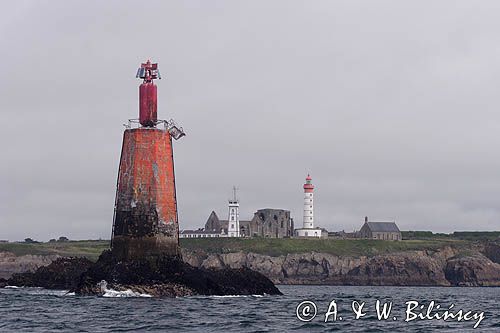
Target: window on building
[
  {"x": 306, "y": 234},
  {"x": 232, "y": 226},
  {"x": 232, "y": 218},
  {"x": 282, "y": 224}
]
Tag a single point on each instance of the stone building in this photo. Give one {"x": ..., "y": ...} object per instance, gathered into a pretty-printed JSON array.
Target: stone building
[
  {"x": 380, "y": 230},
  {"x": 269, "y": 222}
]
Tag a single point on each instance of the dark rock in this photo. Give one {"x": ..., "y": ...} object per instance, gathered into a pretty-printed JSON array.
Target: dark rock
[
  {"x": 62, "y": 273},
  {"x": 492, "y": 251},
  {"x": 170, "y": 276},
  {"x": 475, "y": 270},
  {"x": 155, "y": 276},
  {"x": 402, "y": 270}
]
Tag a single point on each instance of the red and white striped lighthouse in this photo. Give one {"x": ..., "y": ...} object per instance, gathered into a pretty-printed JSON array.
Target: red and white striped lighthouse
[
  {"x": 308, "y": 203},
  {"x": 308, "y": 229}
]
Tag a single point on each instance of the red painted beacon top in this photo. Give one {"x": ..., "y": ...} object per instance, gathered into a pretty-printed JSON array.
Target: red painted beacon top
[{"x": 148, "y": 94}]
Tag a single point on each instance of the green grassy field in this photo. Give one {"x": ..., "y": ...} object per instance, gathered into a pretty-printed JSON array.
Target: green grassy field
[
  {"x": 85, "y": 248},
  {"x": 345, "y": 247},
  {"x": 462, "y": 235},
  {"x": 269, "y": 246}
]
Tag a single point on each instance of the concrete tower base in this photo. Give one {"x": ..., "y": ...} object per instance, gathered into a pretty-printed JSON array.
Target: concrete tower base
[{"x": 145, "y": 222}]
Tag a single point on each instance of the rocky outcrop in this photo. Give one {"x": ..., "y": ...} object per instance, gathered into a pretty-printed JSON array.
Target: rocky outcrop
[
  {"x": 405, "y": 269},
  {"x": 11, "y": 264},
  {"x": 410, "y": 268},
  {"x": 475, "y": 270},
  {"x": 172, "y": 277},
  {"x": 62, "y": 273},
  {"x": 155, "y": 276},
  {"x": 491, "y": 250}
]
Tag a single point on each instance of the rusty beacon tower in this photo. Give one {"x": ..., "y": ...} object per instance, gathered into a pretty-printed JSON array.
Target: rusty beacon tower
[{"x": 145, "y": 221}]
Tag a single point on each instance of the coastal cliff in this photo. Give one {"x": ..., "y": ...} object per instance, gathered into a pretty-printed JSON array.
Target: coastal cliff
[
  {"x": 442, "y": 267},
  {"x": 11, "y": 264},
  {"x": 348, "y": 263}
]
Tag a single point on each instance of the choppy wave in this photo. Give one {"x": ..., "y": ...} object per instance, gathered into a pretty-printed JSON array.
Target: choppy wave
[
  {"x": 37, "y": 291},
  {"x": 41, "y": 310}
]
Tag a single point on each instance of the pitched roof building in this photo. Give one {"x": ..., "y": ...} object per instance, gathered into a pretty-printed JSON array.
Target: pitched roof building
[{"x": 380, "y": 230}]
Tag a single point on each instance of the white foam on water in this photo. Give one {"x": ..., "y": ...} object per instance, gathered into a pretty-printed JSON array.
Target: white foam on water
[
  {"x": 12, "y": 287},
  {"x": 126, "y": 293},
  {"x": 108, "y": 292},
  {"x": 234, "y": 296}
]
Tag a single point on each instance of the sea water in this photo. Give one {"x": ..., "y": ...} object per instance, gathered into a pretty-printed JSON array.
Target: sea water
[{"x": 300, "y": 309}]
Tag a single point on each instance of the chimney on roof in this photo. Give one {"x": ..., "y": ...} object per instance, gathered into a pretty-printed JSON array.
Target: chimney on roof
[{"x": 366, "y": 218}]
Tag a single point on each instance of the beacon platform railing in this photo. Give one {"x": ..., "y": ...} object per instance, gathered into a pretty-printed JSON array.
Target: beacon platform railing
[{"x": 168, "y": 125}]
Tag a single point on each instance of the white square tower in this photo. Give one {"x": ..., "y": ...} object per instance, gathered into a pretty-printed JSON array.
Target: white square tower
[{"x": 233, "y": 221}]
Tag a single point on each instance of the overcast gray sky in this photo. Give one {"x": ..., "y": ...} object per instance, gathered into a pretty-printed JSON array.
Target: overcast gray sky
[{"x": 392, "y": 106}]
